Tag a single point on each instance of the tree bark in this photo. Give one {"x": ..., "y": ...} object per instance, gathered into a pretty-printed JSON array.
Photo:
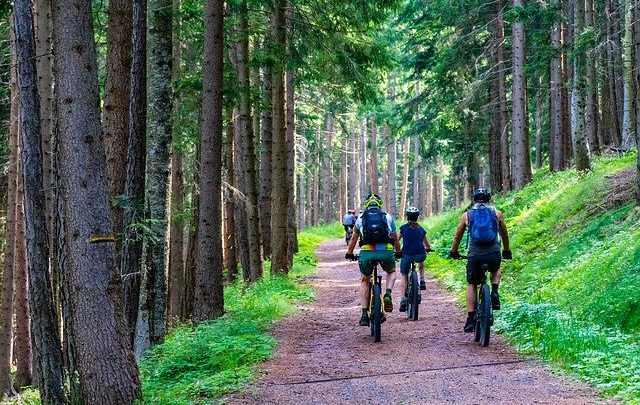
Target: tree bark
[
  {"x": 501, "y": 95},
  {"x": 265, "y": 162},
  {"x": 538, "y": 120},
  {"x": 438, "y": 187},
  {"x": 106, "y": 366},
  {"x": 520, "y": 136},
  {"x": 42, "y": 311},
  {"x": 374, "y": 187},
  {"x": 160, "y": 36},
  {"x": 302, "y": 183},
  {"x": 577, "y": 98},
  {"x": 44, "y": 66},
  {"x": 315, "y": 193},
  {"x": 628, "y": 89},
  {"x": 248, "y": 146},
  {"x": 405, "y": 176},
  {"x": 591, "y": 98},
  {"x": 393, "y": 188},
  {"x": 328, "y": 214},
  {"x": 231, "y": 258},
  {"x": 292, "y": 235},
  {"x": 115, "y": 118},
  {"x": 241, "y": 219},
  {"x": 7, "y": 277},
  {"x": 176, "y": 231},
  {"x": 614, "y": 64},
  {"x": 279, "y": 195},
  {"x": 556, "y": 116},
  {"x": 362, "y": 161},
  {"x": 132, "y": 246},
  {"x": 415, "y": 197},
  {"x": 22, "y": 355},
  {"x": 209, "y": 300}
]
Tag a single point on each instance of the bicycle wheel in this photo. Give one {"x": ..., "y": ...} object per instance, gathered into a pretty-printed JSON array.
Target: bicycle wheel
[
  {"x": 414, "y": 295},
  {"x": 376, "y": 320},
  {"x": 486, "y": 315}
]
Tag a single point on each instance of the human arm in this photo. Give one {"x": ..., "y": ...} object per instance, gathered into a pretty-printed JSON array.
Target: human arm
[
  {"x": 462, "y": 226},
  {"x": 504, "y": 235},
  {"x": 426, "y": 243}
]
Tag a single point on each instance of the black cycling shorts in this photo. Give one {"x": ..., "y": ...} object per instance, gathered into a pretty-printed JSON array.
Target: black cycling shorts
[{"x": 475, "y": 263}]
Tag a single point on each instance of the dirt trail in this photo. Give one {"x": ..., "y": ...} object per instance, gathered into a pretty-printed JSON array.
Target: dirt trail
[{"x": 324, "y": 357}]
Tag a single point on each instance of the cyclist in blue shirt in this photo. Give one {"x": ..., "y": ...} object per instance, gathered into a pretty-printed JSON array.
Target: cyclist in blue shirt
[{"x": 415, "y": 246}]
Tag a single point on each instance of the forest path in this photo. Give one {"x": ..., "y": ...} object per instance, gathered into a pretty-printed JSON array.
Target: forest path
[{"x": 324, "y": 357}]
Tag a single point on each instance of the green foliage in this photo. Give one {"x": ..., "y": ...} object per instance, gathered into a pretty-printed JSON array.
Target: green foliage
[
  {"x": 571, "y": 292},
  {"x": 198, "y": 365}
]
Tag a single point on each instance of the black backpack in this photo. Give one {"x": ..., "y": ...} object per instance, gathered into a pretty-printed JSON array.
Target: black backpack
[{"x": 375, "y": 228}]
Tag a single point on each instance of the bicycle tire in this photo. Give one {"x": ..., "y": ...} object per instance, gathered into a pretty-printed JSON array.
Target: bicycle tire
[
  {"x": 414, "y": 294},
  {"x": 487, "y": 313},
  {"x": 376, "y": 321}
]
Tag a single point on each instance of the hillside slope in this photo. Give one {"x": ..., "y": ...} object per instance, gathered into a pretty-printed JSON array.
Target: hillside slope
[{"x": 572, "y": 292}]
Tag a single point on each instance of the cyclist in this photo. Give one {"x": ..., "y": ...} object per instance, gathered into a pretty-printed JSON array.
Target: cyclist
[
  {"x": 349, "y": 221},
  {"x": 378, "y": 240},
  {"x": 415, "y": 246},
  {"x": 485, "y": 222}
]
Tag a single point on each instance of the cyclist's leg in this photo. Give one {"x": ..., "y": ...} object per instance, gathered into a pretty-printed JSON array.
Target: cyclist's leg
[
  {"x": 405, "y": 267},
  {"x": 366, "y": 268}
]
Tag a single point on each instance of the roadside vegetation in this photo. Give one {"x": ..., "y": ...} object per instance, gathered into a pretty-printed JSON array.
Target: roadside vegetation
[
  {"x": 571, "y": 292},
  {"x": 196, "y": 365}
]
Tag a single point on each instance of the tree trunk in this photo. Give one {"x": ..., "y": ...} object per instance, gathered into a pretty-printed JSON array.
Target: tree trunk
[
  {"x": 241, "y": 219},
  {"x": 315, "y": 195},
  {"x": 106, "y": 366},
  {"x": 502, "y": 100},
  {"x": 520, "y": 136},
  {"x": 628, "y": 90},
  {"x": 22, "y": 333},
  {"x": 428, "y": 206},
  {"x": 115, "y": 116},
  {"x": 405, "y": 176},
  {"x": 302, "y": 183},
  {"x": 636, "y": 67},
  {"x": 591, "y": 104},
  {"x": 209, "y": 300},
  {"x": 538, "y": 120},
  {"x": 42, "y": 311},
  {"x": 231, "y": 258},
  {"x": 132, "y": 243},
  {"x": 415, "y": 198},
  {"x": 292, "y": 237},
  {"x": 495, "y": 100},
  {"x": 614, "y": 64},
  {"x": 6, "y": 310},
  {"x": 176, "y": 231},
  {"x": 44, "y": 65},
  {"x": 362, "y": 156},
  {"x": 279, "y": 195},
  {"x": 393, "y": 189},
  {"x": 328, "y": 214},
  {"x": 248, "y": 147},
  {"x": 265, "y": 162},
  {"x": 556, "y": 116},
  {"x": 438, "y": 187},
  {"x": 160, "y": 119},
  {"x": 578, "y": 108},
  {"x": 373, "y": 163}
]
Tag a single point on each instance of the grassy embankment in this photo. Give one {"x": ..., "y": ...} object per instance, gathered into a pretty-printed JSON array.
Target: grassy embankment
[
  {"x": 198, "y": 365},
  {"x": 572, "y": 292}
]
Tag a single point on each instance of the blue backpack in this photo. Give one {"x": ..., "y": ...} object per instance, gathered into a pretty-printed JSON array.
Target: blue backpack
[{"x": 483, "y": 225}]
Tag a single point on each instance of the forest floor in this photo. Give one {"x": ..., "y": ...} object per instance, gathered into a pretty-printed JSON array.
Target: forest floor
[{"x": 324, "y": 357}]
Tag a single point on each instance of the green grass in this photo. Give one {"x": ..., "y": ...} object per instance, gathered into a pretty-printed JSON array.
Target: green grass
[
  {"x": 572, "y": 292},
  {"x": 198, "y": 365}
]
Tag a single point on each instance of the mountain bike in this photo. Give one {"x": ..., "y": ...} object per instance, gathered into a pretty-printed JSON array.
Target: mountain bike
[
  {"x": 412, "y": 292},
  {"x": 376, "y": 316},
  {"x": 484, "y": 309}
]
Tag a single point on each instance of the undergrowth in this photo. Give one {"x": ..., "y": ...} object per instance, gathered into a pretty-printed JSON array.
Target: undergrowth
[
  {"x": 198, "y": 365},
  {"x": 571, "y": 292}
]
